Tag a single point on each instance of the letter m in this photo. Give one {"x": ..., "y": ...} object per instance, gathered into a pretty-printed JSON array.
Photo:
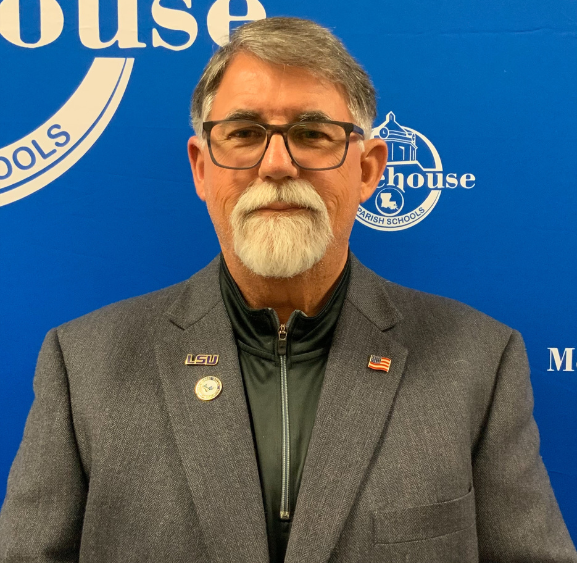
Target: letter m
[{"x": 555, "y": 357}]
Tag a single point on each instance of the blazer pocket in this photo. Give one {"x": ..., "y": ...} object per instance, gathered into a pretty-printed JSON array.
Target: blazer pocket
[{"x": 424, "y": 522}]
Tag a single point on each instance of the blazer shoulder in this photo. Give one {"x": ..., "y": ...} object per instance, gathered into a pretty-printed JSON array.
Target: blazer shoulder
[
  {"x": 141, "y": 309},
  {"x": 415, "y": 300},
  {"x": 442, "y": 314},
  {"x": 136, "y": 315},
  {"x": 417, "y": 314}
]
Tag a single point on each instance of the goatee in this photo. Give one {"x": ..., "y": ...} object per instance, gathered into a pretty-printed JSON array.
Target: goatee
[{"x": 280, "y": 244}]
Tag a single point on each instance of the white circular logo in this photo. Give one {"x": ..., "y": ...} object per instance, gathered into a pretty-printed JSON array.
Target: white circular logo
[
  {"x": 40, "y": 157},
  {"x": 37, "y": 159},
  {"x": 412, "y": 183}
]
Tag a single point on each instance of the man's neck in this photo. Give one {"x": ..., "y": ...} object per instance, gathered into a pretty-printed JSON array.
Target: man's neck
[{"x": 307, "y": 292}]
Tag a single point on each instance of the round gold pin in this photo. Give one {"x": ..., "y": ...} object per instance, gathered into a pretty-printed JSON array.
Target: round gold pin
[{"x": 208, "y": 388}]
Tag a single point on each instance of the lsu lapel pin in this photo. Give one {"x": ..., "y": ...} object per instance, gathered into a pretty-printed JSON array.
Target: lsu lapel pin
[
  {"x": 376, "y": 362},
  {"x": 201, "y": 360},
  {"x": 208, "y": 388}
]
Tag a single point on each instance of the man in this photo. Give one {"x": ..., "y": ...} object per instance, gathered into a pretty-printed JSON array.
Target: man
[{"x": 285, "y": 403}]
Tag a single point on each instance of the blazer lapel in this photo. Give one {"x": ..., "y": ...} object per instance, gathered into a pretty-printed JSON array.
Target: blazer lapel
[
  {"x": 352, "y": 414},
  {"x": 214, "y": 438}
]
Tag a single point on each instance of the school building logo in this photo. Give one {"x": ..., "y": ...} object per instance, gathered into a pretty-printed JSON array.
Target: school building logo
[
  {"x": 413, "y": 180},
  {"x": 38, "y": 158}
]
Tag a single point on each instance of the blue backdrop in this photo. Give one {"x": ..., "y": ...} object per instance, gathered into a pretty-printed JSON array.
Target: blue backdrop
[{"x": 97, "y": 202}]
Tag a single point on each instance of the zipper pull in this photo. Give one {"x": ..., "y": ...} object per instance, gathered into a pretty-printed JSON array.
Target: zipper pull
[{"x": 282, "y": 334}]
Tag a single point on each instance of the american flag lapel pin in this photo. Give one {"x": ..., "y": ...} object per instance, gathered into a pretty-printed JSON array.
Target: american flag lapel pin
[{"x": 376, "y": 362}]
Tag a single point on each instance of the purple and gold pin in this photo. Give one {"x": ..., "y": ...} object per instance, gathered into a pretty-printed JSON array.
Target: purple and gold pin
[{"x": 201, "y": 360}]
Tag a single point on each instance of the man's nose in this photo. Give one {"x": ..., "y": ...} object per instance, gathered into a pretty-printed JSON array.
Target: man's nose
[{"x": 277, "y": 163}]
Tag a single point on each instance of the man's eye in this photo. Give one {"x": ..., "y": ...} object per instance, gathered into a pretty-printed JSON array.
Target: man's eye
[
  {"x": 246, "y": 134},
  {"x": 310, "y": 135}
]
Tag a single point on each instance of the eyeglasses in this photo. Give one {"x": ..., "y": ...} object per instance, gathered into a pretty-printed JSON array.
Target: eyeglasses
[{"x": 312, "y": 145}]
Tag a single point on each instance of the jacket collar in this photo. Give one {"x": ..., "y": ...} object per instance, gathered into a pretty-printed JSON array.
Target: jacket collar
[
  {"x": 214, "y": 438},
  {"x": 199, "y": 295},
  {"x": 366, "y": 291}
]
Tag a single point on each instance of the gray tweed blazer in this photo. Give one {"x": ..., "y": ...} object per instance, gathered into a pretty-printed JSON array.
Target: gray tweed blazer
[{"x": 435, "y": 461}]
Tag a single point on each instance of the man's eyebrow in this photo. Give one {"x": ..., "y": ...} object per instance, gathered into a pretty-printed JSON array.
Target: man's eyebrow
[
  {"x": 248, "y": 115},
  {"x": 243, "y": 114},
  {"x": 312, "y": 116}
]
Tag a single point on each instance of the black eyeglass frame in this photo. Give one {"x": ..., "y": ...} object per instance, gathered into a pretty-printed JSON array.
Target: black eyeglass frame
[{"x": 349, "y": 128}]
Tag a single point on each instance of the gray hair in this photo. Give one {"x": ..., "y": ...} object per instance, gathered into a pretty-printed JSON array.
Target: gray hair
[{"x": 293, "y": 42}]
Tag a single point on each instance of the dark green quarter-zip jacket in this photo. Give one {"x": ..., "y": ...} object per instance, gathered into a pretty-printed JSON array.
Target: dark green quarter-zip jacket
[{"x": 283, "y": 368}]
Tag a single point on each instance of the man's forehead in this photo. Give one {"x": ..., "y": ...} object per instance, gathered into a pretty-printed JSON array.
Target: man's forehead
[{"x": 266, "y": 91}]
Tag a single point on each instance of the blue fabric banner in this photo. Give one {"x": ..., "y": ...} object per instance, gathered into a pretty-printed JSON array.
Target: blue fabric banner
[{"x": 478, "y": 106}]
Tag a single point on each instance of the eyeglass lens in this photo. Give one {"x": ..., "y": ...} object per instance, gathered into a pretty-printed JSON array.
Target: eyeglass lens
[{"x": 241, "y": 144}]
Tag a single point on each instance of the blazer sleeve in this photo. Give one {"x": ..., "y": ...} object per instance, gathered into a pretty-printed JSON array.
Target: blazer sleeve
[
  {"x": 41, "y": 518},
  {"x": 518, "y": 519}
]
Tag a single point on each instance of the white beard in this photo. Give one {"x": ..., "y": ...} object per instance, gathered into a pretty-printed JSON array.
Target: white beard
[{"x": 280, "y": 245}]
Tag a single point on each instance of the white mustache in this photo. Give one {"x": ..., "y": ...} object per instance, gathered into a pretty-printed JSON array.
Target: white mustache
[{"x": 299, "y": 193}]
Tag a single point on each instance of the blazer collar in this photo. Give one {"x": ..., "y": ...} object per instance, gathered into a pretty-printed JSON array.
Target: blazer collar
[
  {"x": 214, "y": 438},
  {"x": 352, "y": 416},
  {"x": 366, "y": 291},
  {"x": 200, "y": 294},
  {"x": 215, "y": 441}
]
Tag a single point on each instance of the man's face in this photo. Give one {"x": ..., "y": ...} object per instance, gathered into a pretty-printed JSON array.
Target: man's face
[{"x": 278, "y": 95}]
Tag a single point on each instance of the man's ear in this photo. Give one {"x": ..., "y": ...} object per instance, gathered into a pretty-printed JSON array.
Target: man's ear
[
  {"x": 196, "y": 159},
  {"x": 373, "y": 162}
]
